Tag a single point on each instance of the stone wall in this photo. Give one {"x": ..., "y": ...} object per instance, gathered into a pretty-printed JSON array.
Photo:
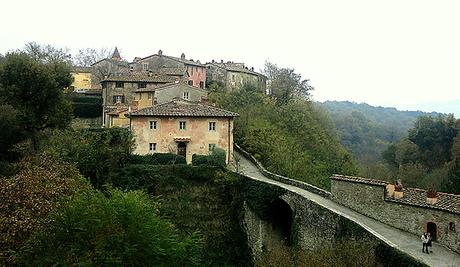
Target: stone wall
[{"x": 370, "y": 200}]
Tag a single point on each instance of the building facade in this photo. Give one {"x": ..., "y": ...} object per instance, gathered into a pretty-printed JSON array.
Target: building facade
[
  {"x": 234, "y": 75},
  {"x": 182, "y": 127},
  {"x": 81, "y": 79},
  {"x": 192, "y": 71}
]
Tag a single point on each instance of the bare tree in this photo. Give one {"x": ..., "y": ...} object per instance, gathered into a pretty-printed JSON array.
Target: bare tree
[
  {"x": 47, "y": 53},
  {"x": 88, "y": 56}
]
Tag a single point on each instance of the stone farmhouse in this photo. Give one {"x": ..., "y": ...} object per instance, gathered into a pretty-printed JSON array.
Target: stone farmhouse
[
  {"x": 82, "y": 79},
  {"x": 234, "y": 75},
  {"x": 182, "y": 127},
  {"x": 409, "y": 209}
]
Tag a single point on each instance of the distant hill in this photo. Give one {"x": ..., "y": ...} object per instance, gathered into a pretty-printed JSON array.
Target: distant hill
[{"x": 366, "y": 130}]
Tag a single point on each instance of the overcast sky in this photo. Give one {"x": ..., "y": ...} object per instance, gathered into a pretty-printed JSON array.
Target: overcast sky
[{"x": 392, "y": 53}]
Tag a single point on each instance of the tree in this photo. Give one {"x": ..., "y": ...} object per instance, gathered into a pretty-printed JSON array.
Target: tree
[
  {"x": 35, "y": 90},
  {"x": 285, "y": 84},
  {"x": 47, "y": 53},
  {"x": 10, "y": 130},
  {"x": 88, "y": 56},
  {"x": 434, "y": 137},
  {"x": 28, "y": 197},
  {"x": 122, "y": 229}
]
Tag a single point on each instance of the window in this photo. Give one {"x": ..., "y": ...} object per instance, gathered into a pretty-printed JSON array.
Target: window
[
  {"x": 452, "y": 226},
  {"x": 118, "y": 99},
  {"x": 150, "y": 95},
  {"x": 196, "y": 69},
  {"x": 140, "y": 96},
  {"x": 141, "y": 85},
  {"x": 152, "y": 147},
  {"x": 211, "y": 147},
  {"x": 104, "y": 85},
  {"x": 202, "y": 85},
  {"x": 212, "y": 125},
  {"x": 152, "y": 125},
  {"x": 182, "y": 125},
  {"x": 119, "y": 84},
  {"x": 145, "y": 66},
  {"x": 131, "y": 68},
  {"x": 185, "y": 95},
  {"x": 190, "y": 83}
]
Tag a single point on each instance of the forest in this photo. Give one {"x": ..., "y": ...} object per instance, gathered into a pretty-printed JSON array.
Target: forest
[{"x": 420, "y": 149}]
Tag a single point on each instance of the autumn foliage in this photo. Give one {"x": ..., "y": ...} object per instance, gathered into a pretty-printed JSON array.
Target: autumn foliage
[{"x": 28, "y": 197}]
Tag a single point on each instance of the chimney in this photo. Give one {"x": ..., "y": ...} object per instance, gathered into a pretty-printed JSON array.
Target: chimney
[
  {"x": 252, "y": 68},
  {"x": 431, "y": 197},
  {"x": 212, "y": 61},
  {"x": 160, "y": 53},
  {"x": 198, "y": 61},
  {"x": 182, "y": 56},
  {"x": 398, "y": 193},
  {"x": 221, "y": 61}
]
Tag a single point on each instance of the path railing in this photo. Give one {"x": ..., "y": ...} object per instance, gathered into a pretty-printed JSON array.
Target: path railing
[{"x": 281, "y": 178}]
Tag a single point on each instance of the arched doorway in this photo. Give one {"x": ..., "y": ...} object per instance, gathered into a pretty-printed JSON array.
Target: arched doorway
[
  {"x": 281, "y": 219},
  {"x": 432, "y": 229},
  {"x": 182, "y": 149}
]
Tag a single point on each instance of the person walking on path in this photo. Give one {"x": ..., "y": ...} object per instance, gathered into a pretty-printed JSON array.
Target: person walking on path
[
  {"x": 429, "y": 244},
  {"x": 425, "y": 242}
]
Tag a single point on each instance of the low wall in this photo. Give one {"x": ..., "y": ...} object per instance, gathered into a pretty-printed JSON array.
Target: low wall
[
  {"x": 281, "y": 178},
  {"x": 369, "y": 199}
]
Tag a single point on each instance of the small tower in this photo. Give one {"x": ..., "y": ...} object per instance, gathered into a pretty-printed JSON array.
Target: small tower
[{"x": 116, "y": 55}]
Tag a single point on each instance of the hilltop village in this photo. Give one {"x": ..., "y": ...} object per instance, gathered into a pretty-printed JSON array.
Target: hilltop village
[{"x": 163, "y": 100}]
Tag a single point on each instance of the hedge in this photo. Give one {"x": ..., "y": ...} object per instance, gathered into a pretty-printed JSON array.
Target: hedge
[
  {"x": 86, "y": 106},
  {"x": 157, "y": 159},
  {"x": 216, "y": 158}
]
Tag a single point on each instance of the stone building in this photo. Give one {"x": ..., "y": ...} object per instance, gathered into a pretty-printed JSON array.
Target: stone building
[
  {"x": 192, "y": 71},
  {"x": 106, "y": 68},
  {"x": 182, "y": 127},
  {"x": 234, "y": 75},
  {"x": 409, "y": 209},
  {"x": 146, "y": 97}
]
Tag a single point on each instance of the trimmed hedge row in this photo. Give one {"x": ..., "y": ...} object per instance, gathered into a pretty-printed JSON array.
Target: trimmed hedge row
[
  {"x": 216, "y": 158},
  {"x": 86, "y": 106},
  {"x": 157, "y": 159}
]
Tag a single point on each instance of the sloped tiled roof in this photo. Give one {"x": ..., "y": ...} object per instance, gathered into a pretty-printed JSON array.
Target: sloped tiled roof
[
  {"x": 168, "y": 86},
  {"x": 81, "y": 69},
  {"x": 179, "y": 108},
  {"x": 411, "y": 196},
  {"x": 185, "y": 61},
  {"x": 236, "y": 67},
  {"x": 140, "y": 77},
  {"x": 358, "y": 179},
  {"x": 417, "y": 197}
]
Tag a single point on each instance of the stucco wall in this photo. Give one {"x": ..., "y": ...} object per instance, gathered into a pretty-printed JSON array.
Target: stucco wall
[
  {"x": 369, "y": 200},
  {"x": 196, "y": 130},
  {"x": 81, "y": 80},
  {"x": 167, "y": 94}
]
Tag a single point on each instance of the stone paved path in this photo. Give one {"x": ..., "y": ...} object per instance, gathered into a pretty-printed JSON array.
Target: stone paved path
[{"x": 401, "y": 240}]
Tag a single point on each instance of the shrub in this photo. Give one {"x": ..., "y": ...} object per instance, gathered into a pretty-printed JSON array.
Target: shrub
[
  {"x": 157, "y": 159},
  {"x": 86, "y": 106},
  {"x": 124, "y": 229},
  {"x": 28, "y": 197},
  {"x": 96, "y": 152},
  {"x": 217, "y": 157}
]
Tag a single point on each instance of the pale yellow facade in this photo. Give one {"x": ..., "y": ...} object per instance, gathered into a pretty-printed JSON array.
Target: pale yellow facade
[
  {"x": 81, "y": 80},
  {"x": 119, "y": 120},
  {"x": 196, "y": 136}
]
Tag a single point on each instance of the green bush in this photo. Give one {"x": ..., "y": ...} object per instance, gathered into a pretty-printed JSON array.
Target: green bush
[
  {"x": 86, "y": 106},
  {"x": 96, "y": 152},
  {"x": 217, "y": 157},
  {"x": 124, "y": 229},
  {"x": 157, "y": 159}
]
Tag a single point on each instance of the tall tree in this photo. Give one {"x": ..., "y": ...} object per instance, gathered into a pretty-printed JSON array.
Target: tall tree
[
  {"x": 88, "y": 56},
  {"x": 47, "y": 53},
  {"x": 285, "y": 84},
  {"x": 34, "y": 88}
]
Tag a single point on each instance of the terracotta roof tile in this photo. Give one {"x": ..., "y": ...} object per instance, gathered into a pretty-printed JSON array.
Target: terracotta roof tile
[
  {"x": 179, "y": 108},
  {"x": 140, "y": 77}
]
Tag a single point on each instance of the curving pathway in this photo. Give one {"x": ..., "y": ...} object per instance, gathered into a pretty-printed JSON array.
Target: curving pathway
[{"x": 401, "y": 240}]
